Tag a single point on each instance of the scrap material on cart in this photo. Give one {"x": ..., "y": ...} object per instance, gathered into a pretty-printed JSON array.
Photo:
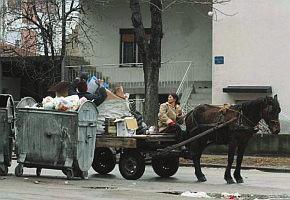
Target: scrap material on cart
[{"x": 115, "y": 119}]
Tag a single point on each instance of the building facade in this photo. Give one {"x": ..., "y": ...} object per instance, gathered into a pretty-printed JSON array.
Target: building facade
[
  {"x": 254, "y": 46},
  {"x": 187, "y": 37}
]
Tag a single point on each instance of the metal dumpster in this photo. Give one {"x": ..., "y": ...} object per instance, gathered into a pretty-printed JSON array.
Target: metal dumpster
[
  {"x": 7, "y": 116},
  {"x": 55, "y": 139}
]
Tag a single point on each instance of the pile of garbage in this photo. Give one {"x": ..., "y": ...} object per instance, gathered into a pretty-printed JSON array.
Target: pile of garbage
[{"x": 69, "y": 103}]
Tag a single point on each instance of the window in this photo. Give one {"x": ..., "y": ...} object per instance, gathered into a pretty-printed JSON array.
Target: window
[{"x": 128, "y": 46}]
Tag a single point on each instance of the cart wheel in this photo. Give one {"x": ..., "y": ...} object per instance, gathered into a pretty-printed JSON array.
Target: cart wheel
[
  {"x": 131, "y": 165},
  {"x": 165, "y": 166},
  {"x": 19, "y": 170},
  {"x": 84, "y": 175},
  {"x": 69, "y": 174},
  {"x": 104, "y": 160},
  {"x": 38, "y": 171},
  {"x": 3, "y": 170}
]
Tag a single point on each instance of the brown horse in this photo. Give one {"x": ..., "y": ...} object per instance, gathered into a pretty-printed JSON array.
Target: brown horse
[{"x": 235, "y": 135}]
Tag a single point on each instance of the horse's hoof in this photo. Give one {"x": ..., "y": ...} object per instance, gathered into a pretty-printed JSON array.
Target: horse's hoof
[
  {"x": 240, "y": 180},
  {"x": 201, "y": 179},
  {"x": 230, "y": 181}
]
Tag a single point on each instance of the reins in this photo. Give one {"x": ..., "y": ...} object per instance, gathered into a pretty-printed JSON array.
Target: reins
[{"x": 260, "y": 125}]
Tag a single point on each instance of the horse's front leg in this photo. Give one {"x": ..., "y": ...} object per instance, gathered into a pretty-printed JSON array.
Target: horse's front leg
[
  {"x": 231, "y": 154},
  {"x": 240, "y": 155}
]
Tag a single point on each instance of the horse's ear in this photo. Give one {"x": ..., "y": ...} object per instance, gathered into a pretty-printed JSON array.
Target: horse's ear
[{"x": 276, "y": 97}]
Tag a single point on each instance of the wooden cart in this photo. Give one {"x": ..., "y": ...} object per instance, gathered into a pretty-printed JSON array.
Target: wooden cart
[{"x": 162, "y": 149}]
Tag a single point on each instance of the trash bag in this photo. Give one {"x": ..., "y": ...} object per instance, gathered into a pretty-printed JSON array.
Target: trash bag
[{"x": 93, "y": 85}]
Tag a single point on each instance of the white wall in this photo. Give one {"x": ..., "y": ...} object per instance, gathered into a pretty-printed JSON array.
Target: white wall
[
  {"x": 255, "y": 44},
  {"x": 187, "y": 35}
]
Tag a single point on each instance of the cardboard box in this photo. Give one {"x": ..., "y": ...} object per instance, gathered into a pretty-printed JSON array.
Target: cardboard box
[{"x": 126, "y": 127}]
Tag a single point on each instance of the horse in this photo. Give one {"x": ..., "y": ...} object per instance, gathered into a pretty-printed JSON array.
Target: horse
[{"x": 236, "y": 135}]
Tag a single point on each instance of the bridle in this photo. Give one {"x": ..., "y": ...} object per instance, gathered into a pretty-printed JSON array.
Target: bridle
[
  {"x": 261, "y": 125},
  {"x": 268, "y": 113}
]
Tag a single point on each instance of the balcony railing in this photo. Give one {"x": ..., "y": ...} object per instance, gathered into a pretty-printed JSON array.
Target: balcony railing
[
  {"x": 131, "y": 75},
  {"x": 177, "y": 74}
]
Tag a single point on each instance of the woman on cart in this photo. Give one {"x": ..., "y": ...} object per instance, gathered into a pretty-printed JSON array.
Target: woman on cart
[{"x": 171, "y": 116}]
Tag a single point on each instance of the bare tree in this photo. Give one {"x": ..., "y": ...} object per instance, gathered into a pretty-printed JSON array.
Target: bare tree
[
  {"x": 150, "y": 53},
  {"x": 46, "y": 27},
  {"x": 151, "y": 50}
]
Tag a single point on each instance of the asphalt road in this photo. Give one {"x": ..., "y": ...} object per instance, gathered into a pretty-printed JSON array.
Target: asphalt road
[{"x": 53, "y": 185}]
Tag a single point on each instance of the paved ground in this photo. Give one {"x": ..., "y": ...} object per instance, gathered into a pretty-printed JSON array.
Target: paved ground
[{"x": 53, "y": 185}]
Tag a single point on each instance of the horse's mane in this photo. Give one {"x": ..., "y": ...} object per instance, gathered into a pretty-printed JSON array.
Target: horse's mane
[
  {"x": 252, "y": 108},
  {"x": 252, "y": 104}
]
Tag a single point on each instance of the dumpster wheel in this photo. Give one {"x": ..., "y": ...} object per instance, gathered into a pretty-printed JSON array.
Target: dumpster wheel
[
  {"x": 19, "y": 170},
  {"x": 78, "y": 173},
  {"x": 3, "y": 170},
  {"x": 69, "y": 174},
  {"x": 165, "y": 166},
  {"x": 131, "y": 165},
  {"x": 84, "y": 175},
  {"x": 38, "y": 171}
]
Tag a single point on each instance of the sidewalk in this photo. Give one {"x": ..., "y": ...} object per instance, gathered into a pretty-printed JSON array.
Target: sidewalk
[{"x": 277, "y": 164}]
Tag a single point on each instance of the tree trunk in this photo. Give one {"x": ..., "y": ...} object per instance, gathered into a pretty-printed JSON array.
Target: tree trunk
[
  {"x": 63, "y": 41},
  {"x": 152, "y": 104},
  {"x": 151, "y": 55}
]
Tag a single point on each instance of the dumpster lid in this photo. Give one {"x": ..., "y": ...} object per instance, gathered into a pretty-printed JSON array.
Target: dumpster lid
[{"x": 26, "y": 101}]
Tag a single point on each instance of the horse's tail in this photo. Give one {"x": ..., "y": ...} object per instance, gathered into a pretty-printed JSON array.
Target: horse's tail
[
  {"x": 188, "y": 114},
  {"x": 191, "y": 122}
]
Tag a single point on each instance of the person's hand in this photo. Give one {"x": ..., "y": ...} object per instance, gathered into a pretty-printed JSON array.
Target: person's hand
[{"x": 173, "y": 123}]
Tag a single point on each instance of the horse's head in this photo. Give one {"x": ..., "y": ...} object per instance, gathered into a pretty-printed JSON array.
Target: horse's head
[{"x": 270, "y": 113}]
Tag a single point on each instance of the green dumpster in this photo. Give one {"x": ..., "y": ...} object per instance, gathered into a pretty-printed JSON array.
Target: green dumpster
[
  {"x": 7, "y": 116},
  {"x": 56, "y": 139}
]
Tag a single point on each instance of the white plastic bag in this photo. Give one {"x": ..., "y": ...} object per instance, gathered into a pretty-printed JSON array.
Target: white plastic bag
[
  {"x": 47, "y": 103},
  {"x": 92, "y": 85},
  {"x": 114, "y": 108}
]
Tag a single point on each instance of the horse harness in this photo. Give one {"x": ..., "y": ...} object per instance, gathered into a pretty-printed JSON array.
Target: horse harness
[
  {"x": 221, "y": 119},
  {"x": 242, "y": 118}
]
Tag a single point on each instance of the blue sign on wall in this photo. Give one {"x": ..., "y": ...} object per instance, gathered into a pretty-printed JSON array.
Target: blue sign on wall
[{"x": 219, "y": 60}]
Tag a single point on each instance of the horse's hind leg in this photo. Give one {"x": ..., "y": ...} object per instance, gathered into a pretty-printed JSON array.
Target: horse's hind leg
[
  {"x": 198, "y": 173},
  {"x": 196, "y": 161},
  {"x": 231, "y": 154},
  {"x": 240, "y": 154}
]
